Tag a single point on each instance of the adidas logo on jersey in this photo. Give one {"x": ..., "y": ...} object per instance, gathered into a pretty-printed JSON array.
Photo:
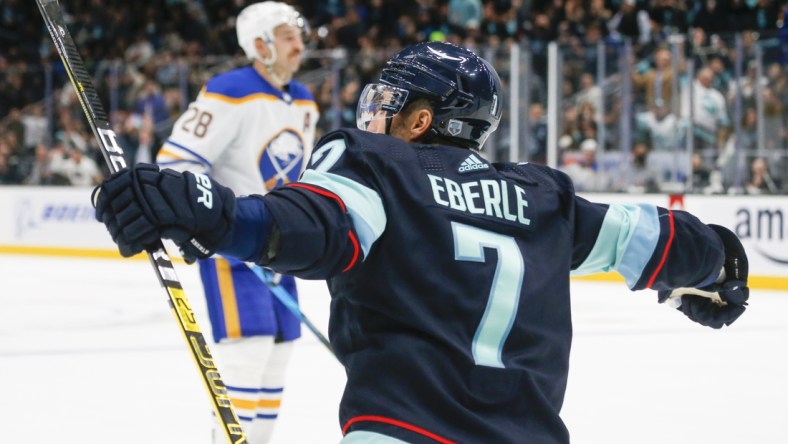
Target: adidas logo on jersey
[{"x": 472, "y": 163}]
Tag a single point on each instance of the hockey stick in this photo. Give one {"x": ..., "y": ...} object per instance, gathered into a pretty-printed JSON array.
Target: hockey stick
[
  {"x": 290, "y": 303},
  {"x": 676, "y": 294},
  {"x": 685, "y": 291},
  {"x": 113, "y": 155}
]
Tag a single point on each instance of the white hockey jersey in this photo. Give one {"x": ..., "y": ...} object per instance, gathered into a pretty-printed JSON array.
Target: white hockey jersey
[{"x": 244, "y": 132}]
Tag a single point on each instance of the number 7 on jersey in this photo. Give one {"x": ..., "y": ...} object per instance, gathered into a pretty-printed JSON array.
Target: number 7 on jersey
[{"x": 469, "y": 245}]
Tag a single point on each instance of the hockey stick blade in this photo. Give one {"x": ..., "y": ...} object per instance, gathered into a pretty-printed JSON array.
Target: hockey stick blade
[{"x": 113, "y": 155}]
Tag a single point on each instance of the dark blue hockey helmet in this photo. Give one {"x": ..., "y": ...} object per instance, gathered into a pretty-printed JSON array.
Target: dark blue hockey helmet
[{"x": 463, "y": 90}]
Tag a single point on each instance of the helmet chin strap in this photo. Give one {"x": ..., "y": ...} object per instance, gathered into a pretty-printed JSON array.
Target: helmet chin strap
[
  {"x": 388, "y": 123},
  {"x": 279, "y": 80}
]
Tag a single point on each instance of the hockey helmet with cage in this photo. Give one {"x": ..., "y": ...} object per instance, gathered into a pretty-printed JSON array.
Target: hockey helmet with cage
[
  {"x": 463, "y": 90},
  {"x": 258, "y": 21}
]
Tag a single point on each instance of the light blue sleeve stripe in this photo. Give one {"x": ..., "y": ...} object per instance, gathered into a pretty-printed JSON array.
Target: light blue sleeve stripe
[
  {"x": 626, "y": 242},
  {"x": 363, "y": 204}
]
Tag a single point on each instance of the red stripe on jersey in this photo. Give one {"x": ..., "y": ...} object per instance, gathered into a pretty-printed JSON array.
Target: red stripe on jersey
[
  {"x": 326, "y": 193},
  {"x": 356, "y": 249},
  {"x": 394, "y": 422},
  {"x": 665, "y": 252},
  {"x": 321, "y": 192}
]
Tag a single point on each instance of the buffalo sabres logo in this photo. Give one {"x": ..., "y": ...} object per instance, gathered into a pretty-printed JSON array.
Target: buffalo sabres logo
[
  {"x": 455, "y": 127},
  {"x": 281, "y": 159}
]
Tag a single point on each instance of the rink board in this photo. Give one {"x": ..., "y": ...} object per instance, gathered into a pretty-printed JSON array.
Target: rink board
[{"x": 58, "y": 221}]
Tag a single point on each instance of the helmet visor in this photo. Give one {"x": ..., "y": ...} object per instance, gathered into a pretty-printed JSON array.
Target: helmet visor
[{"x": 377, "y": 103}]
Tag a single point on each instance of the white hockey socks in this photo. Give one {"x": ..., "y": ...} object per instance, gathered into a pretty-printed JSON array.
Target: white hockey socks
[{"x": 253, "y": 369}]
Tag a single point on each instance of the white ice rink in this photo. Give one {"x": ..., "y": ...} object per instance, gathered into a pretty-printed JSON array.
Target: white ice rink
[{"x": 90, "y": 353}]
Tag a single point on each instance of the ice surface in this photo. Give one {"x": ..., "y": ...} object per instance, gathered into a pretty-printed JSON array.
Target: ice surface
[{"x": 90, "y": 353}]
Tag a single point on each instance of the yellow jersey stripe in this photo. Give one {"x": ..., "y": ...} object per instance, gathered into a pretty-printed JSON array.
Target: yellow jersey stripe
[
  {"x": 165, "y": 152},
  {"x": 305, "y": 103},
  {"x": 232, "y": 322}
]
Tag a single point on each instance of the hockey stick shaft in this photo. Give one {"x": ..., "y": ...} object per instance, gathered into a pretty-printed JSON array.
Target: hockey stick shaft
[
  {"x": 290, "y": 303},
  {"x": 113, "y": 155}
]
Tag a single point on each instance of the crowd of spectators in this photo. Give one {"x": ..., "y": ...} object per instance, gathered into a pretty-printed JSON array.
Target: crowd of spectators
[
  {"x": 674, "y": 117},
  {"x": 150, "y": 58}
]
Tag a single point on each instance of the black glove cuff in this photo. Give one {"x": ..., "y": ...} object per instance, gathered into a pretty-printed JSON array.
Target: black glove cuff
[{"x": 736, "y": 265}]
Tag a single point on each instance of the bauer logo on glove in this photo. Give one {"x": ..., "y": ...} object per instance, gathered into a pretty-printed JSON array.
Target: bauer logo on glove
[
  {"x": 204, "y": 185},
  {"x": 142, "y": 204}
]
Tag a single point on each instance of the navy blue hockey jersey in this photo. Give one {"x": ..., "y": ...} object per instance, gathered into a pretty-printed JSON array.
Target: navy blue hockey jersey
[{"x": 449, "y": 278}]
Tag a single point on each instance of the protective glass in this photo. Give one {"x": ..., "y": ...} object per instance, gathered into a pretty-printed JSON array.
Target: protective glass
[{"x": 379, "y": 102}]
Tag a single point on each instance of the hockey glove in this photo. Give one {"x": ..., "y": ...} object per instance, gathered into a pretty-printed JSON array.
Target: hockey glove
[
  {"x": 141, "y": 205},
  {"x": 722, "y": 302}
]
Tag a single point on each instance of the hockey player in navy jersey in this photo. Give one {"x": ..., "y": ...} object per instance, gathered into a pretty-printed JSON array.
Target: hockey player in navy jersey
[
  {"x": 251, "y": 128},
  {"x": 449, "y": 275}
]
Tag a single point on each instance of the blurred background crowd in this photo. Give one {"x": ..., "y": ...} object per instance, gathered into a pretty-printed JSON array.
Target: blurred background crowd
[{"x": 623, "y": 95}]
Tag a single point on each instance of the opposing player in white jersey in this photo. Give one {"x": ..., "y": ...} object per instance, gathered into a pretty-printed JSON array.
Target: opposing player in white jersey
[{"x": 252, "y": 128}]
